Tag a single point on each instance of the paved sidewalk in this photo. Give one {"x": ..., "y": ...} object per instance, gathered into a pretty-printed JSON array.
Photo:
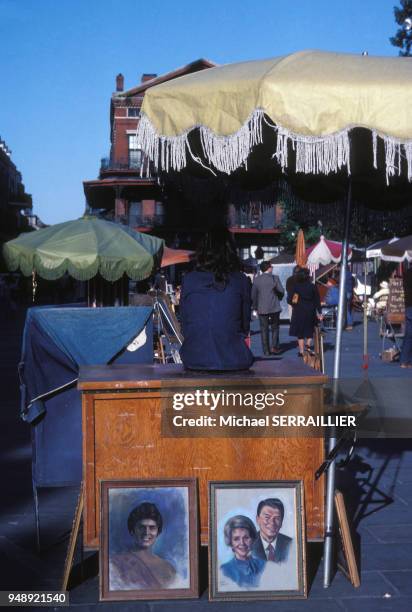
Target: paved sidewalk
[{"x": 377, "y": 485}]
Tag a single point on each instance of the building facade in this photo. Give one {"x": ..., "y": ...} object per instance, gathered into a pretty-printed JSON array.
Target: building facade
[
  {"x": 129, "y": 191},
  {"x": 13, "y": 198}
]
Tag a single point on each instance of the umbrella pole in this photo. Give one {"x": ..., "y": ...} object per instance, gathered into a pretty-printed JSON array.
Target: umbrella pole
[
  {"x": 330, "y": 481},
  {"x": 365, "y": 321}
]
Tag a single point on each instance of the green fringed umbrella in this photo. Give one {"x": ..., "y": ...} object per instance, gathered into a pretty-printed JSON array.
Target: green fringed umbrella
[{"x": 84, "y": 248}]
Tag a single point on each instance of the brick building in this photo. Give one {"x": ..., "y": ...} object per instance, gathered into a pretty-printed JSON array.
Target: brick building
[
  {"x": 13, "y": 199},
  {"x": 130, "y": 192}
]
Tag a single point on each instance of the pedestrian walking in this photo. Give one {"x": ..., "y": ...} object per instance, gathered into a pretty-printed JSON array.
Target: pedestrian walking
[
  {"x": 290, "y": 282},
  {"x": 306, "y": 309},
  {"x": 267, "y": 291}
]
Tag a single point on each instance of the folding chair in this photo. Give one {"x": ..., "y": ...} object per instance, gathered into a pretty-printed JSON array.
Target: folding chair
[
  {"x": 329, "y": 317},
  {"x": 393, "y": 328}
]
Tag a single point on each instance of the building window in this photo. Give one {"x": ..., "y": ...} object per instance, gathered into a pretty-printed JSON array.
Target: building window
[
  {"x": 135, "y": 153},
  {"x": 159, "y": 208},
  {"x": 159, "y": 212},
  {"x": 270, "y": 252},
  {"x": 133, "y": 112},
  {"x": 135, "y": 214}
]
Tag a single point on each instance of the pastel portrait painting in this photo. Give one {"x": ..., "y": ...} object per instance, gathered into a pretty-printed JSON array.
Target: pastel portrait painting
[
  {"x": 147, "y": 541},
  {"x": 256, "y": 540}
]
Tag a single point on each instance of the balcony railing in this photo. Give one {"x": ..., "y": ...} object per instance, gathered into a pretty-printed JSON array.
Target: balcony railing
[
  {"x": 20, "y": 200},
  {"x": 261, "y": 220},
  {"x": 148, "y": 221},
  {"x": 126, "y": 164}
]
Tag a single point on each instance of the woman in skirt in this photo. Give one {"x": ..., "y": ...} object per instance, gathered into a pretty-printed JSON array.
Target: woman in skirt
[{"x": 306, "y": 309}]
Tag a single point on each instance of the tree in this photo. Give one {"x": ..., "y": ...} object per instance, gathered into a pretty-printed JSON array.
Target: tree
[
  {"x": 403, "y": 37},
  {"x": 291, "y": 223}
]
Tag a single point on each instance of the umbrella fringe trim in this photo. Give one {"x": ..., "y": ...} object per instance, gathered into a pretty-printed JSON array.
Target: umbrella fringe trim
[
  {"x": 227, "y": 153},
  {"x": 27, "y": 265},
  {"x": 314, "y": 154},
  {"x": 395, "y": 151},
  {"x": 163, "y": 151}
]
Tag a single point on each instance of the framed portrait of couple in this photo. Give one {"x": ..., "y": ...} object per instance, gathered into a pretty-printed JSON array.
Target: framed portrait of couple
[
  {"x": 256, "y": 540},
  {"x": 148, "y": 539}
]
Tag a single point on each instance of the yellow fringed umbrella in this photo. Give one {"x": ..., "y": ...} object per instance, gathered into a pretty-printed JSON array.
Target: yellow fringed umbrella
[
  {"x": 307, "y": 108},
  {"x": 346, "y": 119}
]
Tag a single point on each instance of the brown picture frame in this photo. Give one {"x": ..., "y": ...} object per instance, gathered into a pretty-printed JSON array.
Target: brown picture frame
[
  {"x": 232, "y": 507},
  {"x": 350, "y": 568},
  {"x": 149, "y": 539}
]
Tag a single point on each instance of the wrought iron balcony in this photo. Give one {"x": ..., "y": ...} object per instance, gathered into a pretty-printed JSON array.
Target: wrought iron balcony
[
  {"x": 126, "y": 164},
  {"x": 147, "y": 221},
  {"x": 20, "y": 200},
  {"x": 254, "y": 219}
]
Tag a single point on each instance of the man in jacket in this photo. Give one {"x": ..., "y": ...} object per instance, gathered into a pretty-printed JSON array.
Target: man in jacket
[
  {"x": 267, "y": 291},
  {"x": 271, "y": 545}
]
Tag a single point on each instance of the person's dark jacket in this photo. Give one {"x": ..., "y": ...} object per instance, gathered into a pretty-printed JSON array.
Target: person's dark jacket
[
  {"x": 290, "y": 282},
  {"x": 215, "y": 322},
  {"x": 349, "y": 282},
  {"x": 282, "y": 547},
  {"x": 267, "y": 291},
  {"x": 304, "y": 317}
]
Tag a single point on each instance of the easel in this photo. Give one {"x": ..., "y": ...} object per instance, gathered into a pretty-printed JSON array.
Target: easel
[
  {"x": 73, "y": 540},
  {"x": 168, "y": 327},
  {"x": 316, "y": 359},
  {"x": 349, "y": 566}
]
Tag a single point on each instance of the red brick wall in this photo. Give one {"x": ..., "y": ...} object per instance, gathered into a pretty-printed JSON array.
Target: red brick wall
[
  {"x": 148, "y": 207},
  {"x": 121, "y": 138}
]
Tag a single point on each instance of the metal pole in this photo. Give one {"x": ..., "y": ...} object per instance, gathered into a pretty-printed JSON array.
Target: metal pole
[
  {"x": 365, "y": 320},
  {"x": 330, "y": 481}
]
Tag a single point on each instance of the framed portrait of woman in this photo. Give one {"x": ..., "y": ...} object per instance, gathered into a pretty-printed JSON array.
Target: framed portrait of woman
[
  {"x": 256, "y": 540},
  {"x": 149, "y": 539}
]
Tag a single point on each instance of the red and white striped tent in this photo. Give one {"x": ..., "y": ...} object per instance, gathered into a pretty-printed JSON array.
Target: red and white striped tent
[{"x": 324, "y": 252}]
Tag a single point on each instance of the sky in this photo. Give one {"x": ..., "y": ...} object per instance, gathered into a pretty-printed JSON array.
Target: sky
[{"x": 59, "y": 60}]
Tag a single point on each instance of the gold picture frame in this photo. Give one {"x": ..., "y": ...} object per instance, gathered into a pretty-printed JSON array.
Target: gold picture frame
[{"x": 248, "y": 571}]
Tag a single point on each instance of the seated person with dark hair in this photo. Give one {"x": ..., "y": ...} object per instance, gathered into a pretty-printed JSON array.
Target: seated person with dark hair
[{"x": 215, "y": 307}]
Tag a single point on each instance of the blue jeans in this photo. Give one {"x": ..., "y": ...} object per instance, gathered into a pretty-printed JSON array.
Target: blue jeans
[
  {"x": 406, "y": 352},
  {"x": 349, "y": 317}
]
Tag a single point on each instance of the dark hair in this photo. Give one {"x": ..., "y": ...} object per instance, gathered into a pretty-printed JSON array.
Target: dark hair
[
  {"x": 146, "y": 510},
  {"x": 273, "y": 502},
  {"x": 301, "y": 275},
  {"x": 238, "y": 522},
  {"x": 264, "y": 266},
  {"x": 216, "y": 253}
]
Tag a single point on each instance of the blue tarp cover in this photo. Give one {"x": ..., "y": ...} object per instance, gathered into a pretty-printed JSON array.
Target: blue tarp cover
[
  {"x": 56, "y": 341},
  {"x": 92, "y": 335}
]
